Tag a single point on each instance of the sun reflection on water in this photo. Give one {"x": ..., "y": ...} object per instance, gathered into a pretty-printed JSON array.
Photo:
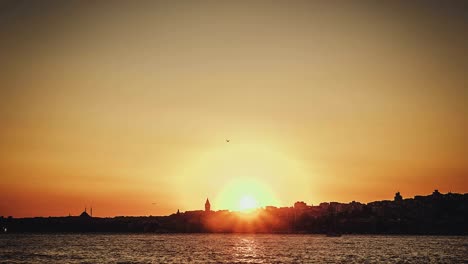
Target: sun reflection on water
[{"x": 246, "y": 250}]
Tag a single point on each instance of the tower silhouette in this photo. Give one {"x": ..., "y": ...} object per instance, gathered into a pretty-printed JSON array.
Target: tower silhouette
[{"x": 207, "y": 205}]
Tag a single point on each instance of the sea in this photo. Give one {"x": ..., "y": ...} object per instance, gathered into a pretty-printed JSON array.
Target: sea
[{"x": 230, "y": 248}]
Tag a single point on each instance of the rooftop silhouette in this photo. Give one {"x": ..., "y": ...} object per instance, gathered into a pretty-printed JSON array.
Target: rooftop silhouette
[{"x": 435, "y": 214}]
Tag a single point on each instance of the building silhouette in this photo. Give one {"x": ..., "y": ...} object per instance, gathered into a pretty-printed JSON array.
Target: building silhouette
[
  {"x": 207, "y": 205},
  {"x": 398, "y": 197},
  {"x": 434, "y": 214},
  {"x": 85, "y": 214}
]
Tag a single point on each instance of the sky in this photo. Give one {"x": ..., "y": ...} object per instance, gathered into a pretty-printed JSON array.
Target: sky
[{"x": 125, "y": 106}]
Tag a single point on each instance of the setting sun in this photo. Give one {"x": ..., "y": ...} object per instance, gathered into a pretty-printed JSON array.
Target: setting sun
[
  {"x": 247, "y": 202},
  {"x": 243, "y": 194}
]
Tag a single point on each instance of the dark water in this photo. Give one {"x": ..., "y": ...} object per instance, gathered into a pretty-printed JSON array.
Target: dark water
[{"x": 230, "y": 248}]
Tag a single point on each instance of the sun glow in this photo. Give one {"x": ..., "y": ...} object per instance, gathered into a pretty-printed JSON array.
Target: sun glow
[
  {"x": 247, "y": 202},
  {"x": 245, "y": 194},
  {"x": 242, "y": 176}
]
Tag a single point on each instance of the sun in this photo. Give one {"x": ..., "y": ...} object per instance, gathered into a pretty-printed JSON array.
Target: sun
[
  {"x": 245, "y": 194},
  {"x": 247, "y": 202}
]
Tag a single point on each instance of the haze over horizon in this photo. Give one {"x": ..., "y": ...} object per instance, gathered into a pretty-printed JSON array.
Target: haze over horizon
[{"x": 126, "y": 106}]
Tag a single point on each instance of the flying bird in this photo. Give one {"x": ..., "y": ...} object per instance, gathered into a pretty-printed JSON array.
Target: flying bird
[{"x": 227, "y": 140}]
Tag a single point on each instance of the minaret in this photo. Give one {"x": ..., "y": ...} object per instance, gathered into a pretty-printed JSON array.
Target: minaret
[
  {"x": 207, "y": 205},
  {"x": 91, "y": 211}
]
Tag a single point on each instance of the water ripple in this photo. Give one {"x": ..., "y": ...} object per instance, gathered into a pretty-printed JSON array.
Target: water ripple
[{"x": 230, "y": 248}]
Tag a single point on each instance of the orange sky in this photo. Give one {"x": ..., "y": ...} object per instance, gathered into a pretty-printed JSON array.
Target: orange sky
[{"x": 126, "y": 106}]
